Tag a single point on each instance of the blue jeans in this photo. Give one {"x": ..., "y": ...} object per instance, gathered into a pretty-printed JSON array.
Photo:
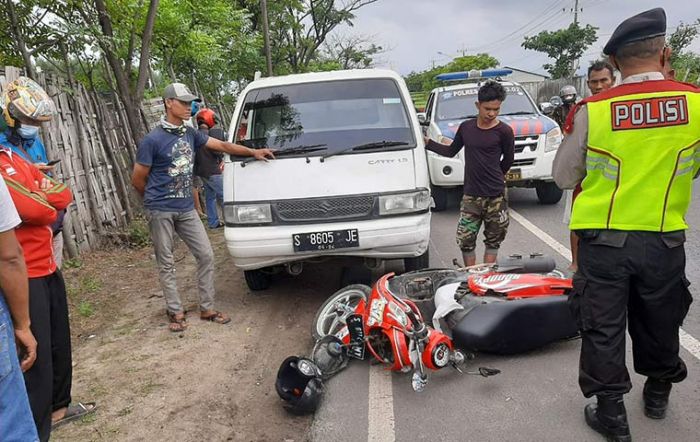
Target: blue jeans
[
  {"x": 214, "y": 189},
  {"x": 16, "y": 421}
]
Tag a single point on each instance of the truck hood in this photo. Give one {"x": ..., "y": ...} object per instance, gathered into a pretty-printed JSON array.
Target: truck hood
[
  {"x": 522, "y": 125},
  {"x": 287, "y": 178}
]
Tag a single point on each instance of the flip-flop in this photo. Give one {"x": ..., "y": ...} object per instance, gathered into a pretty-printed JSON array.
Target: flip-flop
[{"x": 75, "y": 412}]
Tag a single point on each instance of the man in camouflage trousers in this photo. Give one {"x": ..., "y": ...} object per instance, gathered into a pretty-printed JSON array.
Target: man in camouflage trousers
[{"x": 489, "y": 148}]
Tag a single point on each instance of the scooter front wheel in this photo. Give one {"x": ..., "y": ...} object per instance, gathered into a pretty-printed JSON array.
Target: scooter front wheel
[{"x": 331, "y": 316}]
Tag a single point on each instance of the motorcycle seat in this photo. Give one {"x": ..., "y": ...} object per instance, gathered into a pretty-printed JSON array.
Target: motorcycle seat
[{"x": 515, "y": 326}]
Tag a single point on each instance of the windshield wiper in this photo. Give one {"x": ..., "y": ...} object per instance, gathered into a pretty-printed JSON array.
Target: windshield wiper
[
  {"x": 304, "y": 148},
  {"x": 518, "y": 113},
  {"x": 366, "y": 146}
]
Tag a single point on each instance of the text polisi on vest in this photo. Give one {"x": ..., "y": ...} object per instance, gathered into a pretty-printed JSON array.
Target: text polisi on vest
[{"x": 647, "y": 113}]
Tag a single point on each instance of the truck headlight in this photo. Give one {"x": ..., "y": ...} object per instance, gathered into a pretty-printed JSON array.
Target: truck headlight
[
  {"x": 248, "y": 214},
  {"x": 404, "y": 202},
  {"x": 553, "y": 140}
]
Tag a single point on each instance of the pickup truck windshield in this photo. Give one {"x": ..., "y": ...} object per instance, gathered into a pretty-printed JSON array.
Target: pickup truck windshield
[
  {"x": 331, "y": 116},
  {"x": 458, "y": 104}
]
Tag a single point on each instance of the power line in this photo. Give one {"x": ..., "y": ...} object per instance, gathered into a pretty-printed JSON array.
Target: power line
[{"x": 506, "y": 37}]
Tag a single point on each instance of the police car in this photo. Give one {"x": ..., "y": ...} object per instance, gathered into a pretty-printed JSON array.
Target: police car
[{"x": 537, "y": 136}]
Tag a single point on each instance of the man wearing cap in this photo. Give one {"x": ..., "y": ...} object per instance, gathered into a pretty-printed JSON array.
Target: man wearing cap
[
  {"x": 634, "y": 149},
  {"x": 163, "y": 176}
]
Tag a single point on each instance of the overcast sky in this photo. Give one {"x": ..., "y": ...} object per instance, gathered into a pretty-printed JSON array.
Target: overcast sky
[{"x": 416, "y": 32}]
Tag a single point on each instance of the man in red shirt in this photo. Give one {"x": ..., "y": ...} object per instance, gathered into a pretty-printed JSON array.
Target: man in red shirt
[{"x": 38, "y": 198}]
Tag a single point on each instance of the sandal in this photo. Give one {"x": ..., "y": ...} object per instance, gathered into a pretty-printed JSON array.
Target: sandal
[
  {"x": 178, "y": 322},
  {"x": 215, "y": 316},
  {"x": 75, "y": 412}
]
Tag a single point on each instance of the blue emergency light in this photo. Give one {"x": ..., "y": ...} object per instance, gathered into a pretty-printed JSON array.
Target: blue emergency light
[{"x": 474, "y": 74}]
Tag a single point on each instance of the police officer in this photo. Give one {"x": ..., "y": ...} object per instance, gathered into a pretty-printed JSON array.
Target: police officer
[{"x": 634, "y": 147}]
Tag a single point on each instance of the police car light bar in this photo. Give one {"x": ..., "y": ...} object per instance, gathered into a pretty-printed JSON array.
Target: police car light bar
[{"x": 486, "y": 73}]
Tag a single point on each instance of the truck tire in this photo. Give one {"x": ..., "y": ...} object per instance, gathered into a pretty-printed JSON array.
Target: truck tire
[
  {"x": 439, "y": 195},
  {"x": 548, "y": 193},
  {"x": 257, "y": 279},
  {"x": 417, "y": 263}
]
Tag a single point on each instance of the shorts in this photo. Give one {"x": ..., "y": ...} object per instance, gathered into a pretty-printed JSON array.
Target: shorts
[{"x": 475, "y": 210}]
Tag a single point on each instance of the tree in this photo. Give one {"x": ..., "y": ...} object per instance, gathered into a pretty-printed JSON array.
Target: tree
[
  {"x": 565, "y": 46},
  {"x": 425, "y": 80},
  {"x": 299, "y": 29},
  {"x": 350, "y": 51},
  {"x": 26, "y": 31},
  {"x": 686, "y": 63}
]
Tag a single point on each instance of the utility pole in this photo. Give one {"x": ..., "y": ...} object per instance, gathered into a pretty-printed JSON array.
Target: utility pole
[
  {"x": 574, "y": 63},
  {"x": 266, "y": 34}
]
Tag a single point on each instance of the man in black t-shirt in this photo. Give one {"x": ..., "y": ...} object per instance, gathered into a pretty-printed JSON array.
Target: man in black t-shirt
[
  {"x": 207, "y": 166},
  {"x": 489, "y": 148}
]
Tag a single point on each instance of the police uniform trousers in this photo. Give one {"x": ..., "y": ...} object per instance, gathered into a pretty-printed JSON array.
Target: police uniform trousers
[{"x": 635, "y": 277}]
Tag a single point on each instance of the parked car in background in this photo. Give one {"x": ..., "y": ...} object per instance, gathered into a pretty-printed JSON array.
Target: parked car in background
[{"x": 537, "y": 136}]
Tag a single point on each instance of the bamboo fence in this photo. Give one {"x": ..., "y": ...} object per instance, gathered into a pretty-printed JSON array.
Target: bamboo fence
[{"x": 90, "y": 136}]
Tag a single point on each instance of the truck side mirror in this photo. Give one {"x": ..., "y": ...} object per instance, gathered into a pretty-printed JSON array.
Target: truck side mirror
[
  {"x": 546, "y": 108},
  {"x": 422, "y": 119}
]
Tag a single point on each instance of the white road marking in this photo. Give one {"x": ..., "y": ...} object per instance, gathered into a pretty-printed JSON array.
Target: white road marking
[
  {"x": 687, "y": 341},
  {"x": 541, "y": 234},
  {"x": 380, "y": 426}
]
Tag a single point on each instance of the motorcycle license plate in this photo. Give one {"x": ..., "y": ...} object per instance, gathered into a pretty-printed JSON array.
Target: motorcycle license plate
[
  {"x": 513, "y": 175},
  {"x": 334, "y": 239},
  {"x": 357, "y": 336}
]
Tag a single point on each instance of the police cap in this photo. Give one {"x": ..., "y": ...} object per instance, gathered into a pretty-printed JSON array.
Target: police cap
[{"x": 648, "y": 24}]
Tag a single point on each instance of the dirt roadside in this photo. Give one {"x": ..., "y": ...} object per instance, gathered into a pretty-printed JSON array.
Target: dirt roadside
[{"x": 212, "y": 383}]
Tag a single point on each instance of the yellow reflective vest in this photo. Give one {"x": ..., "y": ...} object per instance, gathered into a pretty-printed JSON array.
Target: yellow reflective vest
[{"x": 643, "y": 153}]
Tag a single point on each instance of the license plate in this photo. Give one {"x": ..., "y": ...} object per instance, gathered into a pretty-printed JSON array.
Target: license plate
[
  {"x": 513, "y": 175},
  {"x": 331, "y": 240}
]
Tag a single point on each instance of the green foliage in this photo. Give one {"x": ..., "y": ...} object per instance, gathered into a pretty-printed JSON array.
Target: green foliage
[
  {"x": 686, "y": 63},
  {"x": 85, "y": 309},
  {"x": 138, "y": 234},
  {"x": 425, "y": 80},
  {"x": 564, "y": 46},
  {"x": 90, "y": 284},
  {"x": 72, "y": 263}
]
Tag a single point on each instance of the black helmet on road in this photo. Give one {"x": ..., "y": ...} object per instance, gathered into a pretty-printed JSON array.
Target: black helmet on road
[
  {"x": 568, "y": 94},
  {"x": 299, "y": 385}
]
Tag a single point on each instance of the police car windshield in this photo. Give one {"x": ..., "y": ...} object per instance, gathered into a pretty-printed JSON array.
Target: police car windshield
[
  {"x": 458, "y": 104},
  {"x": 331, "y": 114}
]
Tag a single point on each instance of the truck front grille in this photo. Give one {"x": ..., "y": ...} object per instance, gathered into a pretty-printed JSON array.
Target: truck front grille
[
  {"x": 529, "y": 141},
  {"x": 320, "y": 209}
]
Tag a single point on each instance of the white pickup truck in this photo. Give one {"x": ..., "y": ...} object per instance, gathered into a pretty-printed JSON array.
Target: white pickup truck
[
  {"x": 537, "y": 138},
  {"x": 350, "y": 177}
]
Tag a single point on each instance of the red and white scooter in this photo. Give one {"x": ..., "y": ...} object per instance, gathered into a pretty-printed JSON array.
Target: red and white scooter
[{"x": 510, "y": 307}]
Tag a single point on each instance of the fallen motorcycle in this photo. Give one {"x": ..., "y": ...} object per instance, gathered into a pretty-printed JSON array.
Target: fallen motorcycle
[{"x": 513, "y": 306}]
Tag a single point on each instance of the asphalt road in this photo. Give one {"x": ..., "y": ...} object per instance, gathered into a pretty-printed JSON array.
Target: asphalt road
[{"x": 535, "y": 398}]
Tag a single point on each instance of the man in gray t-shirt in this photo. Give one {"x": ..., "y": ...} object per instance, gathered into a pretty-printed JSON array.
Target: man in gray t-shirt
[{"x": 16, "y": 421}]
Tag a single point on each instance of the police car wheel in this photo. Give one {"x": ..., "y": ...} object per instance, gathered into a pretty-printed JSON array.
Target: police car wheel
[{"x": 548, "y": 193}]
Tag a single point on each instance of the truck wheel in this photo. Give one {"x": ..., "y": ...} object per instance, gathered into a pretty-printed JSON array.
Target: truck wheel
[
  {"x": 418, "y": 263},
  {"x": 548, "y": 193},
  {"x": 257, "y": 279},
  {"x": 439, "y": 195}
]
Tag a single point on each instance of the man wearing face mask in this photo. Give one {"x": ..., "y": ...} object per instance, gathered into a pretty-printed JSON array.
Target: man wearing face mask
[
  {"x": 634, "y": 150},
  {"x": 23, "y": 139}
]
